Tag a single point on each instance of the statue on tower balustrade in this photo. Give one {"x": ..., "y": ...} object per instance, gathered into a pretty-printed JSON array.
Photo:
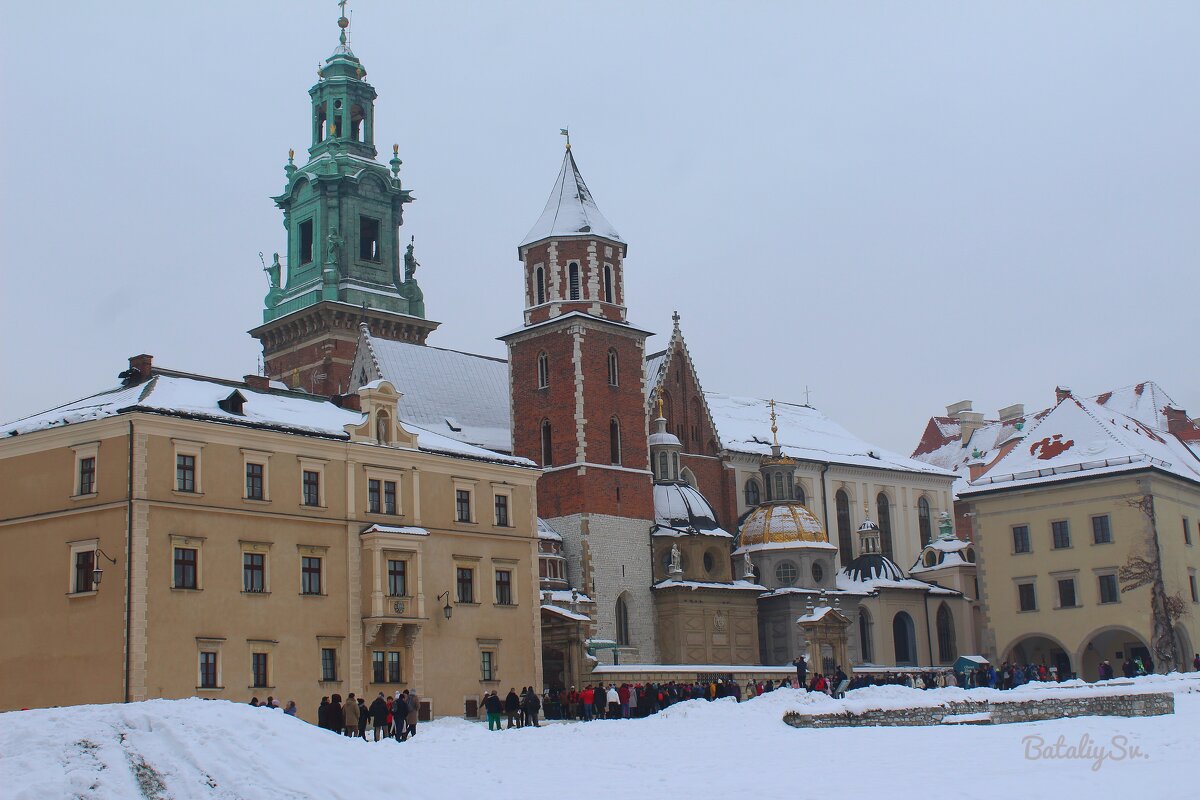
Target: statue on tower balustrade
[{"x": 410, "y": 290}]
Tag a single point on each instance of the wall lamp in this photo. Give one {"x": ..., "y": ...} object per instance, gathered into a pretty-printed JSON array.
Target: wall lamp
[
  {"x": 98, "y": 573},
  {"x": 447, "y": 609}
]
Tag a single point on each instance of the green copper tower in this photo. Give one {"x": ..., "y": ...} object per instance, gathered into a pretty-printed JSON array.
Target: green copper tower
[{"x": 344, "y": 265}]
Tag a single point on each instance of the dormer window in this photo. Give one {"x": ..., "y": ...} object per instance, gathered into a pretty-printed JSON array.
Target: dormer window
[{"x": 233, "y": 403}]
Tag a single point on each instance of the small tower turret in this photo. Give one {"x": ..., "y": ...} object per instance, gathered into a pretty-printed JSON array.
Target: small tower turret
[
  {"x": 665, "y": 448},
  {"x": 778, "y": 471}
]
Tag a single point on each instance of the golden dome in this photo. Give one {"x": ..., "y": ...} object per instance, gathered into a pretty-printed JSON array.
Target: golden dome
[{"x": 781, "y": 523}]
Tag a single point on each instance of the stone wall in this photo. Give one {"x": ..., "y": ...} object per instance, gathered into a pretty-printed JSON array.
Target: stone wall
[{"x": 1126, "y": 705}]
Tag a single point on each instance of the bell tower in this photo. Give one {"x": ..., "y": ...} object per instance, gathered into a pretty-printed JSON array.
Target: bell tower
[
  {"x": 343, "y": 264},
  {"x": 577, "y": 378}
]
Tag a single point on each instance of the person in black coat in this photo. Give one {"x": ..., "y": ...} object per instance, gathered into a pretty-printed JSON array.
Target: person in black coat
[
  {"x": 379, "y": 712},
  {"x": 323, "y": 713},
  {"x": 801, "y": 670},
  {"x": 531, "y": 705},
  {"x": 399, "y": 713},
  {"x": 512, "y": 708}
]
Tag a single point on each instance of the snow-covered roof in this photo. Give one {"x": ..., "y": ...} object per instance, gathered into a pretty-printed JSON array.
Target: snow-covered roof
[
  {"x": 680, "y": 510},
  {"x": 1084, "y": 437},
  {"x": 409, "y": 530},
  {"x": 1143, "y": 401},
  {"x": 564, "y": 612},
  {"x": 197, "y": 397},
  {"x": 738, "y": 584},
  {"x": 654, "y": 367},
  {"x": 459, "y": 395},
  {"x": 872, "y": 572},
  {"x": 804, "y": 432},
  {"x": 817, "y": 614},
  {"x": 571, "y": 210},
  {"x": 546, "y": 532},
  {"x": 564, "y": 596}
]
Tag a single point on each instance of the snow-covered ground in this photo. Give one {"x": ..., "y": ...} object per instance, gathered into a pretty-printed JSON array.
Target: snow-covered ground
[{"x": 216, "y": 749}]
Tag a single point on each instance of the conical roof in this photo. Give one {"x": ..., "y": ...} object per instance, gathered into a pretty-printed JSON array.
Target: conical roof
[{"x": 570, "y": 211}]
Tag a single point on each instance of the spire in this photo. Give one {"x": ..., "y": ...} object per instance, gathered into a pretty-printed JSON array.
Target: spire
[
  {"x": 343, "y": 23},
  {"x": 571, "y": 210}
]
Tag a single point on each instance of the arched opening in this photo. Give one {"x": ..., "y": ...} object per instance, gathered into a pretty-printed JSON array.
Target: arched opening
[
  {"x": 356, "y": 122},
  {"x": 1038, "y": 650},
  {"x": 885, "y": 524},
  {"x": 1120, "y": 647},
  {"x": 539, "y": 280},
  {"x": 547, "y": 444},
  {"x": 924, "y": 521},
  {"x": 687, "y": 477},
  {"x": 970, "y": 555},
  {"x": 904, "y": 639},
  {"x": 573, "y": 280},
  {"x": 779, "y": 490},
  {"x": 947, "y": 651},
  {"x": 613, "y": 376},
  {"x": 674, "y": 465},
  {"x": 543, "y": 370},
  {"x": 614, "y": 441},
  {"x": 663, "y": 473},
  {"x": 799, "y": 495},
  {"x": 751, "y": 491},
  {"x": 845, "y": 545},
  {"x": 320, "y": 123},
  {"x": 866, "y": 651},
  {"x": 383, "y": 427},
  {"x": 929, "y": 559},
  {"x": 608, "y": 284},
  {"x": 1183, "y": 648},
  {"x": 622, "y": 619}
]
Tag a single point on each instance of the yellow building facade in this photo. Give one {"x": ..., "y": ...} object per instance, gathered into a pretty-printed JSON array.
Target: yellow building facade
[{"x": 252, "y": 541}]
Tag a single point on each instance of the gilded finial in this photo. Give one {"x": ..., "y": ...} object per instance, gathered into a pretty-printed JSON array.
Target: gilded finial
[
  {"x": 291, "y": 154},
  {"x": 774, "y": 426},
  {"x": 658, "y": 401}
]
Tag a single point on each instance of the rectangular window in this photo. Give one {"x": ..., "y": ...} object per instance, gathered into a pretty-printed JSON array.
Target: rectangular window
[
  {"x": 312, "y": 488},
  {"x": 1192, "y": 584},
  {"x": 1101, "y": 530},
  {"x": 487, "y": 666},
  {"x": 328, "y": 664},
  {"x": 254, "y": 572},
  {"x": 254, "y": 481},
  {"x": 258, "y": 663},
  {"x": 85, "y": 564},
  {"x": 1108, "y": 589},
  {"x": 1061, "y": 533},
  {"x": 373, "y": 500},
  {"x": 1021, "y": 539},
  {"x": 1066, "y": 593},
  {"x": 1026, "y": 597},
  {"x": 504, "y": 587},
  {"x": 389, "y": 497},
  {"x": 306, "y": 241},
  {"x": 1187, "y": 530},
  {"x": 502, "y": 510},
  {"x": 393, "y": 666},
  {"x": 185, "y": 473},
  {"x": 310, "y": 575},
  {"x": 397, "y": 577},
  {"x": 185, "y": 568},
  {"x": 377, "y": 667},
  {"x": 368, "y": 239},
  {"x": 87, "y": 477},
  {"x": 462, "y": 502},
  {"x": 466, "y": 585},
  {"x": 208, "y": 670}
]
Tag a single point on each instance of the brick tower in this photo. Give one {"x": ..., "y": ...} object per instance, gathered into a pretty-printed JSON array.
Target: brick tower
[
  {"x": 342, "y": 211},
  {"x": 578, "y": 405}
]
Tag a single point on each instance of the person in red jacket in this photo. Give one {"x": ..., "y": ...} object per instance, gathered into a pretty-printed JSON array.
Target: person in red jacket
[
  {"x": 586, "y": 697},
  {"x": 623, "y": 695}
]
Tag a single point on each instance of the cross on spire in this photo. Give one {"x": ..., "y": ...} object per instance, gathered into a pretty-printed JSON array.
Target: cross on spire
[{"x": 774, "y": 426}]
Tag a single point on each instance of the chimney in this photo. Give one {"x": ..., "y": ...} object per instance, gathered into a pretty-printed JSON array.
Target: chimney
[
  {"x": 351, "y": 402},
  {"x": 969, "y": 422},
  {"x": 259, "y": 382},
  {"x": 1012, "y": 413},
  {"x": 1178, "y": 422},
  {"x": 957, "y": 408},
  {"x": 1061, "y": 393},
  {"x": 139, "y": 370}
]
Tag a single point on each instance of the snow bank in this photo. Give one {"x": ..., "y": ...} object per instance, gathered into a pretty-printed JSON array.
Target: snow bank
[{"x": 216, "y": 749}]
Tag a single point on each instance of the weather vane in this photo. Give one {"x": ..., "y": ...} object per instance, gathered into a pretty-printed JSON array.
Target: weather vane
[
  {"x": 566, "y": 133},
  {"x": 774, "y": 427}
]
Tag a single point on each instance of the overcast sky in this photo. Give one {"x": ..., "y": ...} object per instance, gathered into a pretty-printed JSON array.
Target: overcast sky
[{"x": 897, "y": 205}]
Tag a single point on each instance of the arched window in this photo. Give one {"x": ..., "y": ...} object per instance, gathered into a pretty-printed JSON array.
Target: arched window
[
  {"x": 613, "y": 376},
  {"x": 319, "y": 129},
  {"x": 905, "y": 639},
  {"x": 752, "y": 495},
  {"x": 779, "y": 494},
  {"x": 614, "y": 441},
  {"x": 573, "y": 280},
  {"x": 543, "y": 370},
  {"x": 675, "y": 465},
  {"x": 622, "y": 621},
  {"x": 864, "y": 635},
  {"x": 539, "y": 279},
  {"x": 547, "y": 444},
  {"x": 885, "y": 524},
  {"x": 923, "y": 521},
  {"x": 356, "y": 122},
  {"x": 845, "y": 546},
  {"x": 800, "y": 496},
  {"x": 947, "y": 652},
  {"x": 608, "y": 292},
  {"x": 663, "y": 474},
  {"x": 383, "y": 426},
  {"x": 687, "y": 477}
]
